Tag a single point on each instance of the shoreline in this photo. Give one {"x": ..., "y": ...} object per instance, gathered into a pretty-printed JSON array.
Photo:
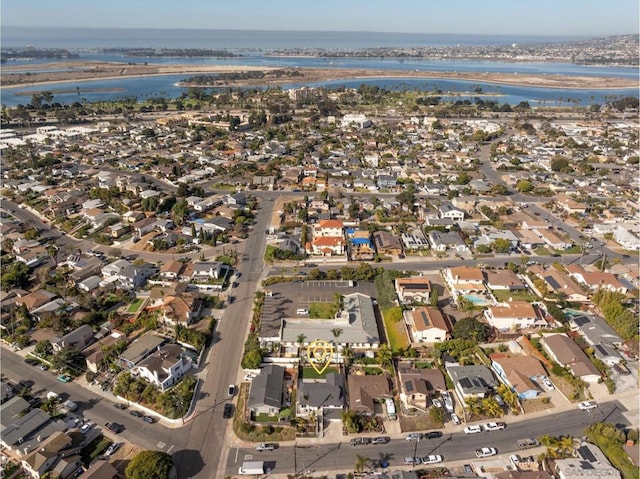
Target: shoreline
[{"x": 97, "y": 71}]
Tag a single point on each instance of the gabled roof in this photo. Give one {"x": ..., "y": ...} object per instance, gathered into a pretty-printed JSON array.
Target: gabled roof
[{"x": 266, "y": 389}]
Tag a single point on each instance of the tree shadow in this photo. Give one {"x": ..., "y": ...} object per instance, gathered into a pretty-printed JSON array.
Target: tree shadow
[{"x": 188, "y": 462}]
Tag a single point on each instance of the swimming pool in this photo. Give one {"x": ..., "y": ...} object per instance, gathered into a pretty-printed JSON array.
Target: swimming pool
[{"x": 477, "y": 300}]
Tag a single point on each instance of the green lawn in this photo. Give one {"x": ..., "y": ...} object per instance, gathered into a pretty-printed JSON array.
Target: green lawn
[
  {"x": 135, "y": 306},
  {"x": 310, "y": 373},
  {"x": 503, "y": 296},
  {"x": 396, "y": 331},
  {"x": 322, "y": 310}
]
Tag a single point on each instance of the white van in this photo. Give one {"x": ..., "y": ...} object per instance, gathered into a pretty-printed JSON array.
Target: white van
[{"x": 302, "y": 312}]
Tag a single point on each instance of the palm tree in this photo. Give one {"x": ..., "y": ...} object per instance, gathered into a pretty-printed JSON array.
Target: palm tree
[
  {"x": 384, "y": 355},
  {"x": 300, "y": 340},
  {"x": 336, "y": 333},
  {"x": 473, "y": 406},
  {"x": 509, "y": 396},
  {"x": 491, "y": 407},
  {"x": 361, "y": 464},
  {"x": 567, "y": 445}
]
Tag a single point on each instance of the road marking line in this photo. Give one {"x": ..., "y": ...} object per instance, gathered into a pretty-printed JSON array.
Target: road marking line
[
  {"x": 161, "y": 445},
  {"x": 172, "y": 446}
]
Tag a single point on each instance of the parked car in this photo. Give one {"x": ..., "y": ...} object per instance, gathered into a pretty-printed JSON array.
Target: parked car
[
  {"x": 231, "y": 391},
  {"x": 43, "y": 367},
  {"x": 86, "y": 427},
  {"x": 149, "y": 419},
  {"x": 433, "y": 435},
  {"x": 548, "y": 384},
  {"x": 515, "y": 460},
  {"x": 65, "y": 378},
  {"x": 414, "y": 436},
  {"x": 412, "y": 461},
  {"x": 119, "y": 405},
  {"x": 432, "y": 459},
  {"x": 266, "y": 446},
  {"x": 381, "y": 440},
  {"x": 494, "y": 426},
  {"x": 249, "y": 377},
  {"x": 528, "y": 443},
  {"x": 587, "y": 405},
  {"x": 437, "y": 403},
  {"x": 114, "y": 427},
  {"x": 455, "y": 419},
  {"x": 112, "y": 448},
  {"x": 227, "y": 411},
  {"x": 486, "y": 452},
  {"x": 472, "y": 429},
  {"x": 135, "y": 413},
  {"x": 31, "y": 361},
  {"x": 360, "y": 441}
]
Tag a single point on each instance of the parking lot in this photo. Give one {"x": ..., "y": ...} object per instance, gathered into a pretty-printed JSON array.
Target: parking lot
[{"x": 300, "y": 295}]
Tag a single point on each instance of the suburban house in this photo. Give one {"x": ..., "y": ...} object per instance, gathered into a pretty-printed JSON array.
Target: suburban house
[
  {"x": 365, "y": 390},
  {"x": 447, "y": 210},
  {"x": 427, "y": 325},
  {"x": 204, "y": 270},
  {"x": 140, "y": 349},
  {"x": 558, "y": 282},
  {"x": 442, "y": 242},
  {"x": 135, "y": 276},
  {"x": 181, "y": 309},
  {"x": 101, "y": 469},
  {"x": 48, "y": 454},
  {"x": 514, "y": 315},
  {"x": 503, "y": 280},
  {"x": 595, "y": 280},
  {"x": 386, "y": 243},
  {"x": 165, "y": 366},
  {"x": 588, "y": 460},
  {"x": 521, "y": 373},
  {"x": 564, "y": 351},
  {"x": 267, "y": 390},
  {"x": 472, "y": 381},
  {"x": 94, "y": 354},
  {"x": 602, "y": 338},
  {"x": 171, "y": 270},
  {"x": 414, "y": 239},
  {"x": 328, "y": 246},
  {"x": 417, "y": 386},
  {"x": 411, "y": 290},
  {"x": 463, "y": 279},
  {"x": 326, "y": 398},
  {"x": 331, "y": 228},
  {"x": 79, "y": 338},
  {"x": 28, "y": 431}
]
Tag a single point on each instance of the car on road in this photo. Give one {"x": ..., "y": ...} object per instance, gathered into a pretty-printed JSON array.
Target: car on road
[
  {"x": 486, "y": 452},
  {"x": 112, "y": 448},
  {"x": 494, "y": 426},
  {"x": 266, "y": 446},
  {"x": 587, "y": 405},
  {"x": 548, "y": 384},
  {"x": 472, "y": 429},
  {"x": 432, "y": 459},
  {"x": 433, "y": 435},
  {"x": 527, "y": 443},
  {"x": 86, "y": 427},
  {"x": 455, "y": 419},
  {"x": 120, "y": 406},
  {"x": 360, "y": 441},
  {"x": 149, "y": 419},
  {"x": 114, "y": 427},
  {"x": 231, "y": 391},
  {"x": 381, "y": 440},
  {"x": 412, "y": 461},
  {"x": 414, "y": 436},
  {"x": 227, "y": 412},
  {"x": 135, "y": 413},
  {"x": 65, "y": 378}
]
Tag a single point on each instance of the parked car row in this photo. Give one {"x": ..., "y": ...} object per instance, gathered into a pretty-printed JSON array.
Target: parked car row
[
  {"x": 430, "y": 459},
  {"x": 490, "y": 426}
]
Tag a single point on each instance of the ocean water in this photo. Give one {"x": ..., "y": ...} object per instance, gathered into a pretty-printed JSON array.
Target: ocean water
[{"x": 86, "y": 38}]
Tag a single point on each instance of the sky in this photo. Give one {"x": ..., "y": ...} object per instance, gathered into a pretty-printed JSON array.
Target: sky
[{"x": 522, "y": 17}]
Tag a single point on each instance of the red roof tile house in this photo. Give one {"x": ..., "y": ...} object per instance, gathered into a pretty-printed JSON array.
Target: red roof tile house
[
  {"x": 596, "y": 280},
  {"x": 182, "y": 309}
]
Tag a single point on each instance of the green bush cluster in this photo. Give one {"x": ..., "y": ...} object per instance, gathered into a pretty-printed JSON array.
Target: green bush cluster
[{"x": 610, "y": 440}]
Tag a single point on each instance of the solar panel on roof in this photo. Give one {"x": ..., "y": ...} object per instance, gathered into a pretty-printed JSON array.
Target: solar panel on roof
[
  {"x": 554, "y": 284},
  {"x": 586, "y": 454},
  {"x": 425, "y": 318},
  {"x": 581, "y": 320},
  {"x": 465, "y": 382},
  {"x": 408, "y": 386}
]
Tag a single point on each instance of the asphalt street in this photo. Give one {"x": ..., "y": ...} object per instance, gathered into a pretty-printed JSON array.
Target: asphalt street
[{"x": 458, "y": 446}]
